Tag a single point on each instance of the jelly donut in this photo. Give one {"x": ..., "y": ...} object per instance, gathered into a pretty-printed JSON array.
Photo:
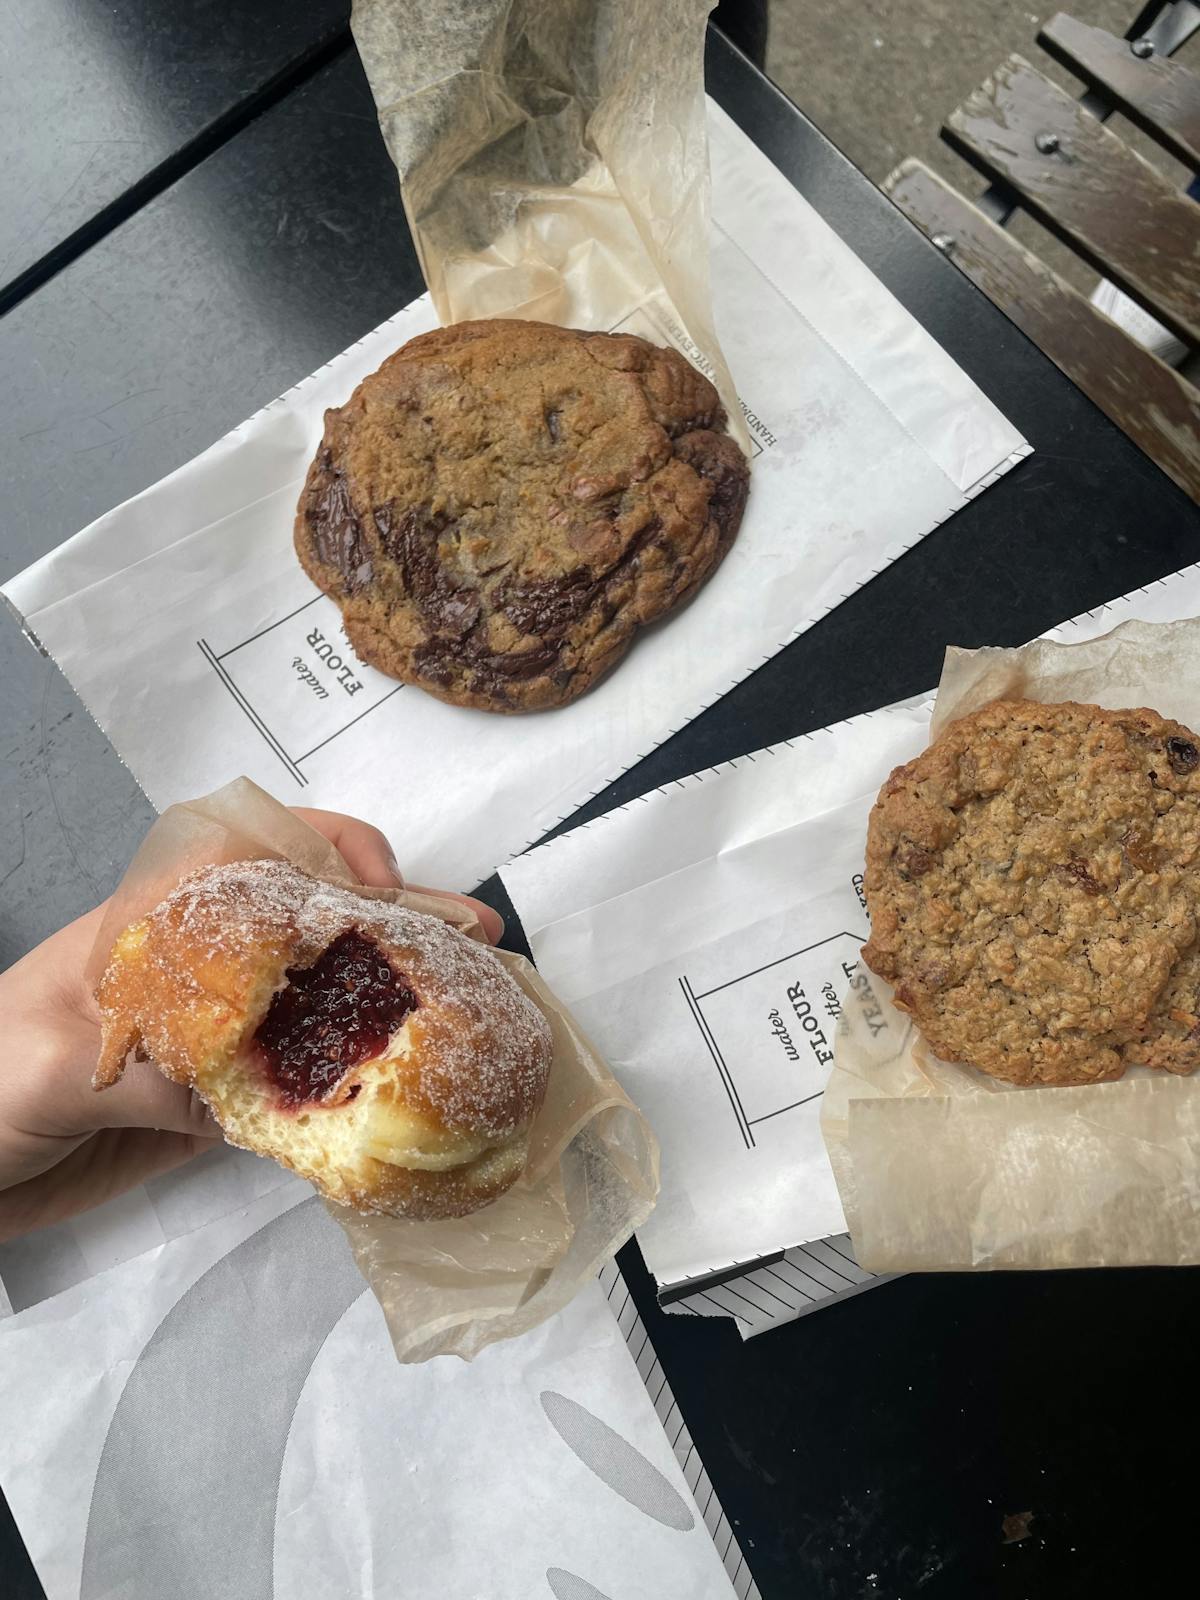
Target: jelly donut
[{"x": 372, "y": 1049}]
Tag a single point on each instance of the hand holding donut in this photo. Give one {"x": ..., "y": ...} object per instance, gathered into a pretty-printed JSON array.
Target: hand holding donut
[{"x": 65, "y": 1148}]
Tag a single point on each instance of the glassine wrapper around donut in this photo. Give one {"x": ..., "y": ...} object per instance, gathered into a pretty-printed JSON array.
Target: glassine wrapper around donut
[
  {"x": 940, "y": 1167},
  {"x": 455, "y": 1286},
  {"x": 553, "y": 161}
]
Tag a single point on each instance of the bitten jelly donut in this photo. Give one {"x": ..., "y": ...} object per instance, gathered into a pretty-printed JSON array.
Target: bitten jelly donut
[{"x": 372, "y": 1049}]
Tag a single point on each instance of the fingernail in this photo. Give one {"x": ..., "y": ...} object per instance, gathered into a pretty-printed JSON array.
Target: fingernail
[{"x": 393, "y": 867}]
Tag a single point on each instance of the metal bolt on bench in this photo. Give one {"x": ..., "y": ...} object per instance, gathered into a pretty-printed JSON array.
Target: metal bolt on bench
[{"x": 1052, "y": 156}]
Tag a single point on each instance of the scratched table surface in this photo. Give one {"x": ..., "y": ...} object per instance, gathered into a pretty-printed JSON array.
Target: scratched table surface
[
  {"x": 875, "y": 1447},
  {"x": 101, "y": 103}
]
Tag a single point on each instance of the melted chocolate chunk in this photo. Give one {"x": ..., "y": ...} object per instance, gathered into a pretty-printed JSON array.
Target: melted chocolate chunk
[
  {"x": 547, "y": 609},
  {"x": 338, "y": 1012},
  {"x": 337, "y": 534},
  {"x": 497, "y": 667},
  {"x": 717, "y": 458},
  {"x": 517, "y": 664},
  {"x": 1183, "y": 756},
  {"x": 411, "y": 539}
]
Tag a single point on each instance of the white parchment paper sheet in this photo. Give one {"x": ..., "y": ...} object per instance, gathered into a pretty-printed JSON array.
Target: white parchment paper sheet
[
  {"x": 186, "y": 625},
  {"x": 676, "y": 929},
  {"x": 223, "y": 1415},
  {"x": 748, "y": 866}
]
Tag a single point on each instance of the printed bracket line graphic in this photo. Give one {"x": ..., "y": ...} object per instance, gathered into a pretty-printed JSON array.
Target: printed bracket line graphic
[
  {"x": 746, "y": 1125},
  {"x": 719, "y": 1061},
  {"x": 255, "y": 718}
]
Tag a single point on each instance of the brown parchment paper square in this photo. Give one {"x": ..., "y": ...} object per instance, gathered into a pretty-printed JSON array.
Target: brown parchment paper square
[
  {"x": 553, "y": 161},
  {"x": 448, "y": 1287},
  {"x": 942, "y": 1168}
]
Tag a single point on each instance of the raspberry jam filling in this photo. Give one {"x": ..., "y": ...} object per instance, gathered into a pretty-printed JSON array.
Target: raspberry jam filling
[{"x": 338, "y": 1012}]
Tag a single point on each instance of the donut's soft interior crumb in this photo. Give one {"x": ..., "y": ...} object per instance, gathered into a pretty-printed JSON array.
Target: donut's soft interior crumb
[{"x": 337, "y": 1141}]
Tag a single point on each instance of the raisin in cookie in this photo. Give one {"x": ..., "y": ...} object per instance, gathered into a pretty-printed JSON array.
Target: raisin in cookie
[
  {"x": 502, "y": 505},
  {"x": 1033, "y": 881}
]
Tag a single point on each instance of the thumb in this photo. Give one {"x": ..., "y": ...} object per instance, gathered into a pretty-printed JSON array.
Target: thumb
[
  {"x": 145, "y": 1099},
  {"x": 48, "y": 1092}
]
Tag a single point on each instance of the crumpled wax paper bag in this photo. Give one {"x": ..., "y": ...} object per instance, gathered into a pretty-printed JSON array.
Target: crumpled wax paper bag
[
  {"x": 447, "y": 1287},
  {"x": 553, "y": 160},
  {"x": 942, "y": 1168}
]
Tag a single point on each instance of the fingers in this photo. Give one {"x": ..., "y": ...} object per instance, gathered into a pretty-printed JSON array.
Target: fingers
[
  {"x": 145, "y": 1099},
  {"x": 490, "y": 921},
  {"x": 48, "y": 1107},
  {"x": 53, "y": 1096},
  {"x": 365, "y": 850}
]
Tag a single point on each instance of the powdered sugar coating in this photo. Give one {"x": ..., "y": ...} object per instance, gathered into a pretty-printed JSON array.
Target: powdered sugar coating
[{"x": 480, "y": 1049}]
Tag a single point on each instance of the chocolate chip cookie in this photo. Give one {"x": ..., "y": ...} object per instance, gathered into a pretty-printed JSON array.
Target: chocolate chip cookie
[
  {"x": 1033, "y": 881},
  {"x": 502, "y": 505}
]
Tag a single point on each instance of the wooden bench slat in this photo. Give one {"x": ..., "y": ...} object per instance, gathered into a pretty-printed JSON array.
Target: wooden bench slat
[
  {"x": 1161, "y": 96},
  {"x": 1090, "y": 189},
  {"x": 1157, "y": 408}
]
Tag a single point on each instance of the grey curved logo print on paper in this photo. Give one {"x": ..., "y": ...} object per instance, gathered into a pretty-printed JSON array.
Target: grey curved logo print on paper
[
  {"x": 568, "y": 1586},
  {"x": 184, "y": 1498},
  {"x": 616, "y": 1462}
]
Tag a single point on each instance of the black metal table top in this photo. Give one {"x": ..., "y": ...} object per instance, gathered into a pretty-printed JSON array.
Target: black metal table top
[
  {"x": 872, "y": 1448},
  {"x": 101, "y": 105}
]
